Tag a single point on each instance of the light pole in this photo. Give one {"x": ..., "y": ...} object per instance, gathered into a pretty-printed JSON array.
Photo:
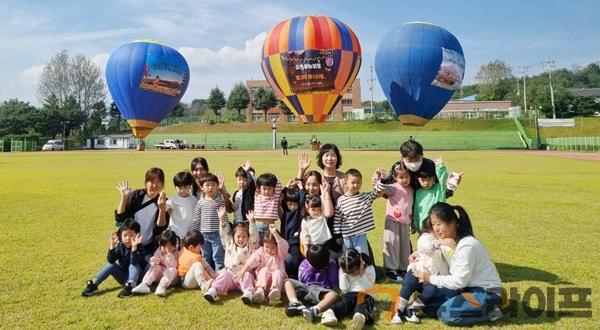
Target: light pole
[
  {"x": 274, "y": 132},
  {"x": 537, "y": 128},
  {"x": 525, "y": 68},
  {"x": 550, "y": 64}
]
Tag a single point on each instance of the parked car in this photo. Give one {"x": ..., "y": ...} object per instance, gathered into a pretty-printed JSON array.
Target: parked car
[
  {"x": 171, "y": 144},
  {"x": 53, "y": 145}
]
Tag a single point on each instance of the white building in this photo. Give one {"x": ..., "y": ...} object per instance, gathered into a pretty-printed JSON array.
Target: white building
[{"x": 115, "y": 141}]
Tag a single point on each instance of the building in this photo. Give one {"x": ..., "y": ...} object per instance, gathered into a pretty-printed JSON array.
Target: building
[
  {"x": 477, "y": 109},
  {"x": 115, "y": 141},
  {"x": 350, "y": 101}
]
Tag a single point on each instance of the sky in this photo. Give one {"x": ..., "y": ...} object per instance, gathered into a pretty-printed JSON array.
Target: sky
[{"x": 221, "y": 40}]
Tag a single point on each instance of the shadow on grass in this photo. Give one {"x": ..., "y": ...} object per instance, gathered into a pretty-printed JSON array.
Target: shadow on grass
[{"x": 513, "y": 273}]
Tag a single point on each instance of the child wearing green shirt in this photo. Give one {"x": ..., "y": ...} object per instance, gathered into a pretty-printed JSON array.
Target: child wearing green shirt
[{"x": 430, "y": 191}]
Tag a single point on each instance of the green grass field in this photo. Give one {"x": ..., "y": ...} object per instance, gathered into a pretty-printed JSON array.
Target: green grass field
[{"x": 537, "y": 216}]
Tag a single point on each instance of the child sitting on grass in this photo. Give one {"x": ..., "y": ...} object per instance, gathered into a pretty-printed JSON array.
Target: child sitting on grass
[
  {"x": 192, "y": 269},
  {"x": 123, "y": 260},
  {"x": 163, "y": 266}
]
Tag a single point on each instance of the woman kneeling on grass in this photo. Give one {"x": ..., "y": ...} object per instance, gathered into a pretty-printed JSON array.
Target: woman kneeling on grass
[{"x": 472, "y": 273}]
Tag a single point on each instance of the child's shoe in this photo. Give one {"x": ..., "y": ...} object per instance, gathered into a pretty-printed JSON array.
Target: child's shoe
[
  {"x": 329, "y": 318},
  {"x": 495, "y": 314},
  {"x": 142, "y": 288},
  {"x": 211, "y": 295},
  {"x": 410, "y": 315},
  {"x": 247, "y": 297},
  {"x": 398, "y": 318},
  {"x": 358, "y": 321},
  {"x": 310, "y": 314},
  {"x": 90, "y": 289},
  {"x": 294, "y": 308},
  {"x": 274, "y": 297},
  {"x": 126, "y": 292},
  {"x": 161, "y": 290},
  {"x": 259, "y": 296}
]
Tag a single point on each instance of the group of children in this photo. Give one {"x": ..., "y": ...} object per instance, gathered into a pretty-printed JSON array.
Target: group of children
[{"x": 321, "y": 244}]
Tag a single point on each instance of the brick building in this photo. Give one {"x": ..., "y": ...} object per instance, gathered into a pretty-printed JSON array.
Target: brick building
[{"x": 343, "y": 110}]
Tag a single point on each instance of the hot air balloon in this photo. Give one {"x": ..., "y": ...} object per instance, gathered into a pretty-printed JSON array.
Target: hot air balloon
[
  {"x": 419, "y": 66},
  {"x": 310, "y": 62},
  {"x": 146, "y": 79}
]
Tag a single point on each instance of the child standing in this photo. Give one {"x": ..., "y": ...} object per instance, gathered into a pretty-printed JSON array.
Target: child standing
[
  {"x": 267, "y": 199},
  {"x": 356, "y": 276},
  {"x": 163, "y": 266},
  {"x": 314, "y": 228},
  {"x": 430, "y": 259},
  {"x": 354, "y": 213},
  {"x": 241, "y": 177},
  {"x": 240, "y": 244},
  {"x": 181, "y": 206},
  {"x": 192, "y": 269},
  {"x": 206, "y": 219},
  {"x": 430, "y": 192},
  {"x": 398, "y": 216},
  {"x": 123, "y": 260},
  {"x": 318, "y": 277},
  {"x": 268, "y": 261}
]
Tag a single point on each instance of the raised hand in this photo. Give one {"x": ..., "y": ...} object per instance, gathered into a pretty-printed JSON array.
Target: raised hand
[
  {"x": 221, "y": 212},
  {"x": 250, "y": 215},
  {"x": 247, "y": 165},
  {"x": 272, "y": 228},
  {"x": 123, "y": 188},
  {"x": 113, "y": 239},
  {"x": 325, "y": 188},
  {"x": 291, "y": 183},
  {"x": 303, "y": 161},
  {"x": 438, "y": 160},
  {"x": 162, "y": 200},
  {"x": 221, "y": 178},
  {"x": 136, "y": 241}
]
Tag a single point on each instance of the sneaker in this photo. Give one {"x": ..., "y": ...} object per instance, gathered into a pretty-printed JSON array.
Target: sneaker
[
  {"x": 397, "y": 319},
  {"x": 143, "y": 288},
  {"x": 161, "y": 291},
  {"x": 393, "y": 276},
  {"x": 90, "y": 289},
  {"x": 274, "y": 297},
  {"x": 294, "y": 308},
  {"x": 495, "y": 314},
  {"x": 126, "y": 291},
  {"x": 211, "y": 295},
  {"x": 310, "y": 314},
  {"x": 329, "y": 318},
  {"x": 358, "y": 321},
  {"x": 247, "y": 297},
  {"x": 410, "y": 315},
  {"x": 259, "y": 296}
]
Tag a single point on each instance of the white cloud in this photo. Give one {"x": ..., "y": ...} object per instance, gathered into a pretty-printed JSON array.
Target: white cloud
[{"x": 31, "y": 75}]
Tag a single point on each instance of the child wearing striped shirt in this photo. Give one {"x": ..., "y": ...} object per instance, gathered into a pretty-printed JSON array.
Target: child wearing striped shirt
[
  {"x": 206, "y": 220},
  {"x": 354, "y": 213},
  {"x": 267, "y": 199}
]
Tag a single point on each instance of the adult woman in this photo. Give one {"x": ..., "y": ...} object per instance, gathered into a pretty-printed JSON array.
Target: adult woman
[
  {"x": 147, "y": 206},
  {"x": 472, "y": 272}
]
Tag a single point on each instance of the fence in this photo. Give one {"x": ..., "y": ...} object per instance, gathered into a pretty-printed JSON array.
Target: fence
[
  {"x": 1, "y": 145},
  {"x": 577, "y": 143}
]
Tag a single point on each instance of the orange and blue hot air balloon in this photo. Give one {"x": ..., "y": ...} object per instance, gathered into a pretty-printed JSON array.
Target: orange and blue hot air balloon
[
  {"x": 419, "y": 66},
  {"x": 310, "y": 62},
  {"x": 146, "y": 79}
]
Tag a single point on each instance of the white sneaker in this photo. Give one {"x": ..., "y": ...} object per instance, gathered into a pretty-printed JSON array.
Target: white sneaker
[
  {"x": 328, "y": 318},
  {"x": 396, "y": 319},
  {"x": 211, "y": 295},
  {"x": 274, "y": 297},
  {"x": 259, "y": 296},
  {"x": 247, "y": 297},
  {"x": 358, "y": 321},
  {"x": 143, "y": 288},
  {"x": 161, "y": 291}
]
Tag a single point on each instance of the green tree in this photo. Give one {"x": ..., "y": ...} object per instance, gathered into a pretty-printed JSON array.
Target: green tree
[
  {"x": 216, "y": 100},
  {"x": 493, "y": 80},
  {"x": 284, "y": 108},
  {"x": 16, "y": 117},
  {"x": 264, "y": 99},
  {"x": 238, "y": 98},
  {"x": 197, "y": 106}
]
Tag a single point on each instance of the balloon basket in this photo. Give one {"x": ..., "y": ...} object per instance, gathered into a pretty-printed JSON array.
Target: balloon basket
[{"x": 141, "y": 144}]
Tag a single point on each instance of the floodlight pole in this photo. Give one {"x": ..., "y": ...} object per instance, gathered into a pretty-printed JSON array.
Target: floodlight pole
[
  {"x": 525, "y": 68},
  {"x": 274, "y": 131},
  {"x": 371, "y": 86},
  {"x": 550, "y": 64}
]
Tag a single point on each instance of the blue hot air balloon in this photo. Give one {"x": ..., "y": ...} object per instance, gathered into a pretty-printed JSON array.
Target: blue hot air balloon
[
  {"x": 419, "y": 66},
  {"x": 146, "y": 79}
]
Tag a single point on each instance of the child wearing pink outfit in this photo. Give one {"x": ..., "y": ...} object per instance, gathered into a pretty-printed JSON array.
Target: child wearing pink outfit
[
  {"x": 268, "y": 261},
  {"x": 163, "y": 266},
  {"x": 239, "y": 247}
]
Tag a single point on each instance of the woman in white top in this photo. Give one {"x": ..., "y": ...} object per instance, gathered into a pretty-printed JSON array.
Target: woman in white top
[{"x": 472, "y": 272}]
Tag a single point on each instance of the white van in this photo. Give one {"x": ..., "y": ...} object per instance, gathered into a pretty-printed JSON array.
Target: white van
[{"x": 53, "y": 145}]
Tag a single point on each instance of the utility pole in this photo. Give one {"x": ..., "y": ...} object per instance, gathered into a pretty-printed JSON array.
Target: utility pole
[
  {"x": 524, "y": 72},
  {"x": 371, "y": 83},
  {"x": 550, "y": 65}
]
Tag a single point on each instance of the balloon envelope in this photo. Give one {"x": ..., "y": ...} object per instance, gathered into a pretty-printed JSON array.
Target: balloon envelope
[
  {"x": 419, "y": 66},
  {"x": 310, "y": 62},
  {"x": 146, "y": 80}
]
